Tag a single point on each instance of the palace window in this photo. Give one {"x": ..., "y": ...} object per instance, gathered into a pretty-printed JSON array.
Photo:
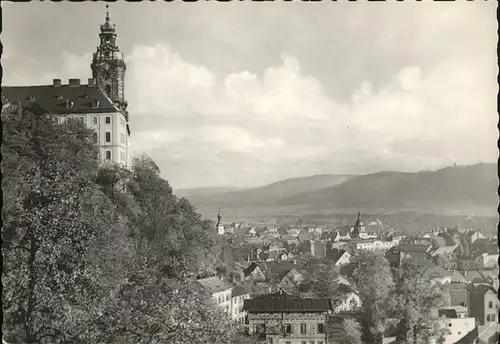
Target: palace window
[
  {"x": 303, "y": 328},
  {"x": 490, "y": 304},
  {"x": 108, "y": 155},
  {"x": 108, "y": 136},
  {"x": 321, "y": 328},
  {"x": 492, "y": 317},
  {"x": 108, "y": 120},
  {"x": 94, "y": 120},
  {"x": 287, "y": 328},
  {"x": 94, "y": 137}
]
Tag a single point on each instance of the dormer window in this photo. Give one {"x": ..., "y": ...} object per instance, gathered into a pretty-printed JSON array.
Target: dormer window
[
  {"x": 95, "y": 103},
  {"x": 31, "y": 98},
  {"x": 58, "y": 97},
  {"x": 69, "y": 104}
]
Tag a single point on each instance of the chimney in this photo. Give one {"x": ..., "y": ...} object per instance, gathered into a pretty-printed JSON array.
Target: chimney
[
  {"x": 74, "y": 82},
  {"x": 91, "y": 82},
  {"x": 56, "y": 82}
]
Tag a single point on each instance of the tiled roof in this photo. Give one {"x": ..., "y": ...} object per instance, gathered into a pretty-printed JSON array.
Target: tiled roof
[
  {"x": 335, "y": 255},
  {"x": 250, "y": 268},
  {"x": 440, "y": 241},
  {"x": 85, "y": 98},
  {"x": 239, "y": 291},
  {"x": 441, "y": 272},
  {"x": 214, "y": 284},
  {"x": 290, "y": 304},
  {"x": 473, "y": 275},
  {"x": 278, "y": 270},
  {"x": 413, "y": 248},
  {"x": 444, "y": 250}
]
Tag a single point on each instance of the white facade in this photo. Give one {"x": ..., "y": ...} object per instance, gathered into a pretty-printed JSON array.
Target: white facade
[
  {"x": 373, "y": 245},
  {"x": 237, "y": 313},
  {"x": 111, "y": 135},
  {"x": 458, "y": 328},
  {"x": 222, "y": 300}
]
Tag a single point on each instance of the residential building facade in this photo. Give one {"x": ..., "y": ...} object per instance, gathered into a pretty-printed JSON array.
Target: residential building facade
[
  {"x": 221, "y": 292},
  {"x": 283, "y": 319},
  {"x": 482, "y": 302}
]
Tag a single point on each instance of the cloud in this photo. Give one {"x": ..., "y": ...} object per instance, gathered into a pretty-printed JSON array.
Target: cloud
[{"x": 243, "y": 108}]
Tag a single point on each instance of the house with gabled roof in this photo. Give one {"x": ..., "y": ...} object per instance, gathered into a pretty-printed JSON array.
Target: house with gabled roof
[
  {"x": 482, "y": 302},
  {"x": 346, "y": 299},
  {"x": 220, "y": 290},
  {"x": 255, "y": 272}
]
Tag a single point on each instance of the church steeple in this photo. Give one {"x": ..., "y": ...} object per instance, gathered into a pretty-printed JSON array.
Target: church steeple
[
  {"x": 219, "y": 226},
  {"x": 219, "y": 218},
  {"x": 108, "y": 65}
]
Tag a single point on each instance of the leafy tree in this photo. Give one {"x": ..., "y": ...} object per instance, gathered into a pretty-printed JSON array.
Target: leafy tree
[
  {"x": 99, "y": 254},
  {"x": 415, "y": 302},
  {"x": 49, "y": 225},
  {"x": 373, "y": 279},
  {"x": 353, "y": 331},
  {"x": 149, "y": 308}
]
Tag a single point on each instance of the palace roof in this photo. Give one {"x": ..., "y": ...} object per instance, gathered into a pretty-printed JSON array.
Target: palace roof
[{"x": 73, "y": 98}]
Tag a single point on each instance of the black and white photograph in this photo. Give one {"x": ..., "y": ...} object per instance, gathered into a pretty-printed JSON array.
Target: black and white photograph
[{"x": 250, "y": 172}]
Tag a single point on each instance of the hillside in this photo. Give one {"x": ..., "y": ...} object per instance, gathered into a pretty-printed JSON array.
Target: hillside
[
  {"x": 200, "y": 192},
  {"x": 264, "y": 195},
  {"x": 452, "y": 190}
]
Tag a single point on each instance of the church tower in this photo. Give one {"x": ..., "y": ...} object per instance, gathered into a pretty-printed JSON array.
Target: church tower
[
  {"x": 219, "y": 226},
  {"x": 108, "y": 66}
]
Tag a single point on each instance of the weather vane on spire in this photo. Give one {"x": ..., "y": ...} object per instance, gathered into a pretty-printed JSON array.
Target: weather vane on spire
[{"x": 107, "y": 12}]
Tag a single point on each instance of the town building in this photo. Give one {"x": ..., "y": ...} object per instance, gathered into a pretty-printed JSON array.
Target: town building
[
  {"x": 346, "y": 299},
  {"x": 220, "y": 291},
  {"x": 238, "y": 295},
  {"x": 372, "y": 245},
  {"x": 283, "y": 319},
  {"x": 100, "y": 103},
  {"x": 482, "y": 302},
  {"x": 458, "y": 324}
]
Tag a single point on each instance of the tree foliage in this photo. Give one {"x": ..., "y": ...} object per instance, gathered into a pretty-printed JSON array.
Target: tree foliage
[
  {"x": 99, "y": 254},
  {"x": 415, "y": 302},
  {"x": 373, "y": 279},
  {"x": 353, "y": 331},
  {"x": 49, "y": 225}
]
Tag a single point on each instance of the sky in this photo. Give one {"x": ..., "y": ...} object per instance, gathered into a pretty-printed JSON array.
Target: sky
[{"x": 245, "y": 94}]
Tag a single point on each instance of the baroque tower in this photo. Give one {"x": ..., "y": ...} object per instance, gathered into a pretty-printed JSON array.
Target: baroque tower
[{"x": 108, "y": 65}]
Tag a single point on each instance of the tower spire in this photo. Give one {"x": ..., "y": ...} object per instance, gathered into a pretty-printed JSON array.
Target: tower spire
[{"x": 107, "y": 13}]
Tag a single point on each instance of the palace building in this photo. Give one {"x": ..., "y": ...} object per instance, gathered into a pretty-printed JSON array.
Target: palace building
[{"x": 100, "y": 103}]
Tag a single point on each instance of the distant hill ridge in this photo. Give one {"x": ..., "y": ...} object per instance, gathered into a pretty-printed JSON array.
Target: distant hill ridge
[
  {"x": 255, "y": 196},
  {"x": 461, "y": 189}
]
